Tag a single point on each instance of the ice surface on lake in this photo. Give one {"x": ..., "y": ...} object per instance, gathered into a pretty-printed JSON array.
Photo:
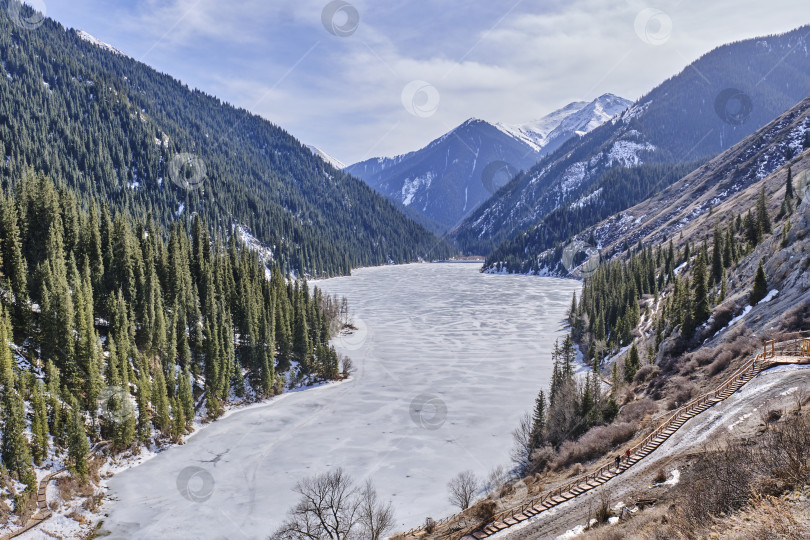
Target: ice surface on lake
[{"x": 441, "y": 335}]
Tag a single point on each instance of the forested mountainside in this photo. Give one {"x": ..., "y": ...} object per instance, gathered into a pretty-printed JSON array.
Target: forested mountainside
[
  {"x": 667, "y": 214},
  {"x": 711, "y": 105},
  {"x": 672, "y": 310},
  {"x": 109, "y": 127},
  {"x": 444, "y": 181},
  {"x": 725, "y": 258},
  {"x": 109, "y": 331}
]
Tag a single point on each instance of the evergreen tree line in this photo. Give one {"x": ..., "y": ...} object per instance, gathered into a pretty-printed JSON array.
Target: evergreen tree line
[
  {"x": 610, "y": 309},
  {"x": 604, "y": 318},
  {"x": 573, "y": 406},
  {"x": 125, "y": 329}
]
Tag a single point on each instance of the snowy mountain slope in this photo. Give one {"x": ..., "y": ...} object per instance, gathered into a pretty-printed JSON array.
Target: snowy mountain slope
[
  {"x": 715, "y": 193},
  {"x": 711, "y": 105},
  {"x": 334, "y": 162},
  {"x": 577, "y": 118},
  {"x": 455, "y": 173},
  {"x": 98, "y": 43}
]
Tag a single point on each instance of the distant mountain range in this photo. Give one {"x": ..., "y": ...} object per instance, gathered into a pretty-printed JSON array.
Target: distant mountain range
[
  {"x": 447, "y": 179},
  {"x": 710, "y": 106}
]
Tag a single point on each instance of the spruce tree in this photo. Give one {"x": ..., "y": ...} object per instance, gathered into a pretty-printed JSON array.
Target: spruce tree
[
  {"x": 39, "y": 424},
  {"x": 717, "y": 256},
  {"x": 6, "y": 355},
  {"x": 760, "y": 289},
  {"x": 632, "y": 363},
  {"x": 16, "y": 452},
  {"x": 78, "y": 446},
  {"x": 539, "y": 421},
  {"x": 700, "y": 302},
  {"x": 789, "y": 194},
  {"x": 160, "y": 398},
  {"x": 763, "y": 220}
]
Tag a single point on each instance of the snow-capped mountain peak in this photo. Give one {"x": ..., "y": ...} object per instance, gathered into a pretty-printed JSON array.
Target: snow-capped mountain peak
[{"x": 577, "y": 118}]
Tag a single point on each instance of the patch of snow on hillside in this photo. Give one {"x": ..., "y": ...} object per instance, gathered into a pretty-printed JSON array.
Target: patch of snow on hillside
[
  {"x": 411, "y": 186},
  {"x": 636, "y": 111},
  {"x": 572, "y": 177},
  {"x": 253, "y": 244},
  {"x": 98, "y": 43},
  {"x": 625, "y": 153},
  {"x": 771, "y": 295},
  {"x": 586, "y": 200}
]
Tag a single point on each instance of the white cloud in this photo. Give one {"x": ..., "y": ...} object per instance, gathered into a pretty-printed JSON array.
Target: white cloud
[{"x": 501, "y": 61}]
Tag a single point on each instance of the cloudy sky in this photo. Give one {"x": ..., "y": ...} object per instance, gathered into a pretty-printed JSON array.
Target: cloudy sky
[{"x": 363, "y": 78}]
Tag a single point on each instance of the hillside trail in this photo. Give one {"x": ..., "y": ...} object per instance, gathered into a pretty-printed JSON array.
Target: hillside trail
[
  {"x": 541, "y": 509},
  {"x": 737, "y": 414}
]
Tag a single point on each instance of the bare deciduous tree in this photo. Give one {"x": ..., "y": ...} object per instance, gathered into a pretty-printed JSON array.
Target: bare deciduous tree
[
  {"x": 463, "y": 488},
  {"x": 375, "y": 517},
  {"x": 346, "y": 365},
  {"x": 522, "y": 444},
  {"x": 332, "y": 508}
]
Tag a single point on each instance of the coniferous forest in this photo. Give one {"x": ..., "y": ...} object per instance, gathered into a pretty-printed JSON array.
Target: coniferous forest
[
  {"x": 127, "y": 330},
  {"x": 111, "y": 128}
]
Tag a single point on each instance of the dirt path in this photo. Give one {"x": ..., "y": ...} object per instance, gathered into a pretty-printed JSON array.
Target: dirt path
[{"x": 739, "y": 414}]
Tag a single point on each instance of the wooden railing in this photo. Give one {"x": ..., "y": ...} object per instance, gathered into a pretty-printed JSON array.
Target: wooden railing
[{"x": 800, "y": 346}]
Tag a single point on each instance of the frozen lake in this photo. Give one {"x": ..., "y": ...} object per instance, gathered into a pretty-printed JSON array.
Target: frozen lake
[{"x": 447, "y": 360}]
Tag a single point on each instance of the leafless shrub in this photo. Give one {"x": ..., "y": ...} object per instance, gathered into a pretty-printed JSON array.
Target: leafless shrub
[
  {"x": 721, "y": 362},
  {"x": 660, "y": 477},
  {"x": 721, "y": 316},
  {"x": 542, "y": 457},
  {"x": 430, "y": 525},
  {"x": 506, "y": 490},
  {"x": 463, "y": 488},
  {"x": 332, "y": 507},
  {"x": 645, "y": 373},
  {"x": 801, "y": 397},
  {"x": 522, "y": 444},
  {"x": 596, "y": 442},
  {"x": 484, "y": 510},
  {"x": 785, "y": 451},
  {"x": 773, "y": 416},
  {"x": 720, "y": 481},
  {"x": 603, "y": 512},
  {"x": 375, "y": 517},
  {"x": 636, "y": 411},
  {"x": 796, "y": 318},
  {"x": 495, "y": 478},
  {"x": 346, "y": 366}
]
